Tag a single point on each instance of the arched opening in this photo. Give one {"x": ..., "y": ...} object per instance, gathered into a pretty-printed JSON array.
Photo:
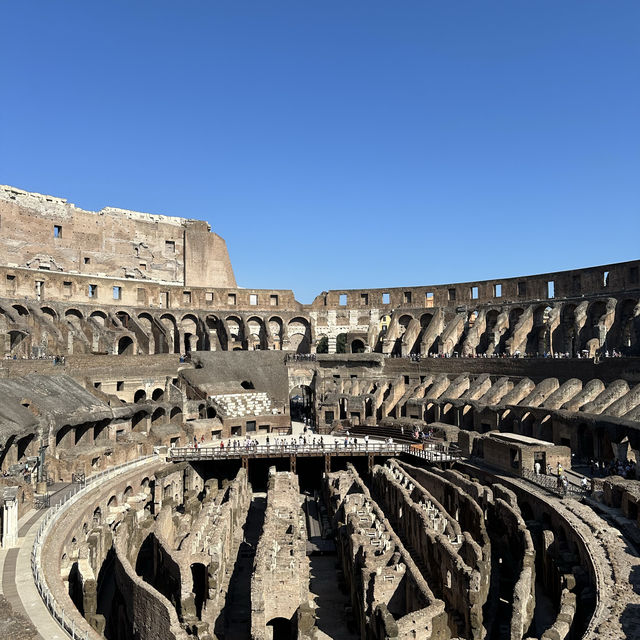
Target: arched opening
[
  {"x": 48, "y": 311},
  {"x": 22, "y": 311},
  {"x": 138, "y": 421},
  {"x": 236, "y": 333},
  {"x": 526, "y": 424},
  {"x": 171, "y": 332},
  {"x": 23, "y": 445},
  {"x": 282, "y": 629},
  {"x": 299, "y": 335},
  {"x": 63, "y": 435},
  {"x": 157, "y": 395},
  {"x": 322, "y": 346},
  {"x": 125, "y": 346},
  {"x": 218, "y": 340},
  {"x": 17, "y": 341},
  {"x": 488, "y": 338},
  {"x": 189, "y": 326},
  {"x": 301, "y": 403},
  {"x": 357, "y": 346},
  {"x": 73, "y": 313},
  {"x": 257, "y": 333},
  {"x": 176, "y": 415},
  {"x": 275, "y": 328},
  {"x": 158, "y": 416},
  {"x": 341, "y": 343},
  {"x": 140, "y": 395}
]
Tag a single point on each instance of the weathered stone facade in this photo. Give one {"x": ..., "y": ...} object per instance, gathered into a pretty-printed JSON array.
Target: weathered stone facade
[{"x": 464, "y": 536}]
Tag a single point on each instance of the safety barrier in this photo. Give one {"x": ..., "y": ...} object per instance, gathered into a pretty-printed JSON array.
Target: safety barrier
[{"x": 66, "y": 622}]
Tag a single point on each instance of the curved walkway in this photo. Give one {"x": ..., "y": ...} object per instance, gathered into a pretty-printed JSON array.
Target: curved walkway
[{"x": 17, "y": 581}]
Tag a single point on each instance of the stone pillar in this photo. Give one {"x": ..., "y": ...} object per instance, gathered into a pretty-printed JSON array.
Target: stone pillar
[
  {"x": 332, "y": 344},
  {"x": 10, "y": 518}
]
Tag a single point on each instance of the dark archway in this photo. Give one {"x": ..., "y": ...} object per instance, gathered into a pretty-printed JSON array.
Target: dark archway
[
  {"x": 282, "y": 629},
  {"x": 157, "y": 394},
  {"x": 357, "y": 346},
  {"x": 301, "y": 403},
  {"x": 125, "y": 346}
]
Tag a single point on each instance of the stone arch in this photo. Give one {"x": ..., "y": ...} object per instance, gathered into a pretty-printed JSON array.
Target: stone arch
[
  {"x": 20, "y": 309},
  {"x": 257, "y": 337},
  {"x": 190, "y": 330},
  {"x": 357, "y": 346},
  {"x": 48, "y": 311},
  {"x": 152, "y": 329},
  {"x": 235, "y": 329},
  {"x": 299, "y": 332},
  {"x": 487, "y": 339},
  {"x": 301, "y": 402},
  {"x": 23, "y": 445},
  {"x": 176, "y": 413},
  {"x": 172, "y": 335},
  {"x": 157, "y": 394},
  {"x": 72, "y": 312},
  {"x": 124, "y": 318},
  {"x": 276, "y": 330},
  {"x": 218, "y": 339},
  {"x": 322, "y": 345},
  {"x": 568, "y": 330},
  {"x": 281, "y": 628},
  {"x": 158, "y": 416},
  {"x": 18, "y": 342},
  {"x": 626, "y": 330},
  {"x": 139, "y": 396},
  {"x": 98, "y": 316},
  {"x": 341, "y": 343},
  {"x": 515, "y": 313},
  {"x": 539, "y": 338},
  {"x": 125, "y": 346},
  {"x": 138, "y": 421}
]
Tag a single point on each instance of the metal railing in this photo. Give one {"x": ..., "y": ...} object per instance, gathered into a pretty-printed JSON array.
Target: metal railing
[
  {"x": 288, "y": 449},
  {"x": 436, "y": 453},
  {"x": 64, "y": 619}
]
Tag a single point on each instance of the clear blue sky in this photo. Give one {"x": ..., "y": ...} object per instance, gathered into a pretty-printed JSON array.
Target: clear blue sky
[{"x": 339, "y": 144}]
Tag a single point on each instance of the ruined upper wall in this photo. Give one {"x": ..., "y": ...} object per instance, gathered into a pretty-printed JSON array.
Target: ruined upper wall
[
  {"x": 600, "y": 280},
  {"x": 48, "y": 233}
]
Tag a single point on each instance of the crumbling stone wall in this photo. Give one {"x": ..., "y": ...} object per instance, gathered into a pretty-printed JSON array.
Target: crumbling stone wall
[
  {"x": 390, "y": 597},
  {"x": 450, "y": 559},
  {"x": 280, "y": 581},
  {"x": 44, "y": 232}
]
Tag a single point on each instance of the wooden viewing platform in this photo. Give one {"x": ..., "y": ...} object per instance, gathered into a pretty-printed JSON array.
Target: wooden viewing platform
[{"x": 435, "y": 453}]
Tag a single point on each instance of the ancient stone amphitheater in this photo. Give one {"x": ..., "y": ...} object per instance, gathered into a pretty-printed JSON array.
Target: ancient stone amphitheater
[{"x": 184, "y": 458}]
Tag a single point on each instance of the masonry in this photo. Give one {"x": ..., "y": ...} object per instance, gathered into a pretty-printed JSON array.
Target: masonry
[{"x": 426, "y": 502}]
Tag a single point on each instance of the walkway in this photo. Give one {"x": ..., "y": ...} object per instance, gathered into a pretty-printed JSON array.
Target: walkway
[{"x": 17, "y": 581}]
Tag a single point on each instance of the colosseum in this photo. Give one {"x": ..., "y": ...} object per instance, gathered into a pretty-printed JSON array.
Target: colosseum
[{"x": 185, "y": 458}]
